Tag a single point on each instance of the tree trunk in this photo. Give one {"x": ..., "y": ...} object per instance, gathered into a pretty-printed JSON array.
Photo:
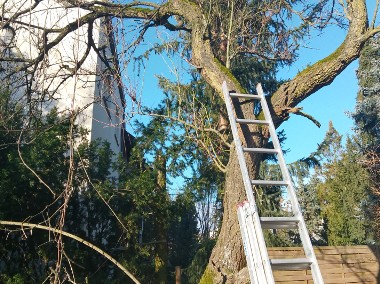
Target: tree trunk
[
  {"x": 178, "y": 275},
  {"x": 161, "y": 228},
  {"x": 227, "y": 257}
]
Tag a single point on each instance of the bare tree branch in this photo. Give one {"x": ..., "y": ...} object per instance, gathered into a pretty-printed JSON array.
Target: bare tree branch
[{"x": 74, "y": 237}]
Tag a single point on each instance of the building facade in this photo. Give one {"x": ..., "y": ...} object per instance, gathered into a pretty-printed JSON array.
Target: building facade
[{"x": 50, "y": 59}]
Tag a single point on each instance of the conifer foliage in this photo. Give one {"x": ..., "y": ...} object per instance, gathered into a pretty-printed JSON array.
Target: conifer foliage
[
  {"x": 343, "y": 193},
  {"x": 367, "y": 120},
  {"x": 134, "y": 219}
]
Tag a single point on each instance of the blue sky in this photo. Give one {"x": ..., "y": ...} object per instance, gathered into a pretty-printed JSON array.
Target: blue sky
[{"x": 331, "y": 103}]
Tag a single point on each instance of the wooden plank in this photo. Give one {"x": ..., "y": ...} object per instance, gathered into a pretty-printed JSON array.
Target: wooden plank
[
  {"x": 330, "y": 265},
  {"x": 359, "y": 264},
  {"x": 342, "y": 250},
  {"x": 297, "y": 275},
  {"x": 358, "y": 255},
  {"x": 360, "y": 279},
  {"x": 280, "y": 253},
  {"x": 343, "y": 276},
  {"x": 280, "y": 273},
  {"x": 293, "y": 282},
  {"x": 348, "y": 260},
  {"x": 330, "y": 270},
  {"x": 346, "y": 281},
  {"x": 373, "y": 267},
  {"x": 294, "y": 278},
  {"x": 360, "y": 274},
  {"x": 330, "y": 250}
]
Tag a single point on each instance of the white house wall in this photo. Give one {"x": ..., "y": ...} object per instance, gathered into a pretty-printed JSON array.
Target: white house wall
[{"x": 89, "y": 90}]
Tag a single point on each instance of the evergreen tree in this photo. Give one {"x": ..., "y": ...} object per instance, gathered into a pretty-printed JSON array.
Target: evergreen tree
[
  {"x": 312, "y": 209},
  {"x": 183, "y": 230},
  {"x": 367, "y": 121},
  {"x": 33, "y": 173},
  {"x": 342, "y": 187},
  {"x": 157, "y": 241},
  {"x": 367, "y": 112}
]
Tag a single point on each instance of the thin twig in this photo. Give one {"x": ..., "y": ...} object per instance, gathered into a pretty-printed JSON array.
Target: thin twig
[{"x": 372, "y": 26}]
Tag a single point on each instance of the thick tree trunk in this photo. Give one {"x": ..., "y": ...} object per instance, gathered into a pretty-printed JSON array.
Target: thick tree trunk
[{"x": 227, "y": 258}]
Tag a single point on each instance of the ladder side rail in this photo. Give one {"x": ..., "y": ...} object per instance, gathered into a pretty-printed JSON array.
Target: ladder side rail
[
  {"x": 280, "y": 155},
  {"x": 238, "y": 146},
  {"x": 306, "y": 243},
  {"x": 255, "y": 229},
  {"x": 250, "y": 248},
  {"x": 309, "y": 252},
  {"x": 246, "y": 180}
]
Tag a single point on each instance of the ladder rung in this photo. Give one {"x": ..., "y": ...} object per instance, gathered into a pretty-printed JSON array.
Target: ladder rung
[
  {"x": 251, "y": 121},
  {"x": 279, "y": 222},
  {"x": 291, "y": 263},
  {"x": 261, "y": 150},
  {"x": 245, "y": 96},
  {"x": 269, "y": 182}
]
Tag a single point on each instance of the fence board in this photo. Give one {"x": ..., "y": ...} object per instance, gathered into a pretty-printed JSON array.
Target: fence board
[{"x": 338, "y": 264}]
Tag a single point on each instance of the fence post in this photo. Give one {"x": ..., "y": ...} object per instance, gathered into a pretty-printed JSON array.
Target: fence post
[{"x": 178, "y": 275}]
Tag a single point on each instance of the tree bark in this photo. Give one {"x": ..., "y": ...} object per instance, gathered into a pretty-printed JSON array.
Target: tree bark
[
  {"x": 227, "y": 257},
  {"x": 161, "y": 255}
]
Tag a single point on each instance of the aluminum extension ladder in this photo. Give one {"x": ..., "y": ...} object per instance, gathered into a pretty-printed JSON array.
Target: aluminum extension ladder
[{"x": 251, "y": 225}]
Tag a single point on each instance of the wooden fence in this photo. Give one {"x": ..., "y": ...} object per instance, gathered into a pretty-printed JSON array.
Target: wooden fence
[{"x": 340, "y": 264}]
